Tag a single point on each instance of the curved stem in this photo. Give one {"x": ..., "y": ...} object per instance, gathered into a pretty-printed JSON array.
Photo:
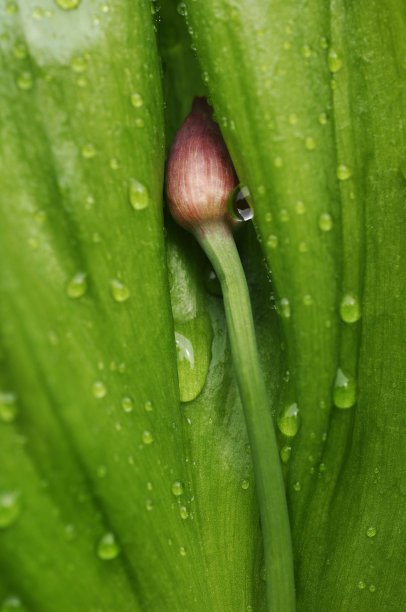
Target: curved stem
[{"x": 218, "y": 243}]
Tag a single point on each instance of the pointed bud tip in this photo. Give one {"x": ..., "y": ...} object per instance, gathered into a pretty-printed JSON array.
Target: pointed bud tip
[{"x": 200, "y": 175}]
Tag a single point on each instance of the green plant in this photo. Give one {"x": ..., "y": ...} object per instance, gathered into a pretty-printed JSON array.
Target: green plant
[{"x": 114, "y": 494}]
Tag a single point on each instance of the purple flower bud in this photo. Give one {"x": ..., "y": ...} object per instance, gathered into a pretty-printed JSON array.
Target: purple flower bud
[{"x": 200, "y": 175}]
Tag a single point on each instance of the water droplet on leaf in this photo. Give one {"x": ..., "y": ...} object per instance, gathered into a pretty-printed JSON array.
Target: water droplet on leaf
[
  {"x": 119, "y": 290},
  {"x": 8, "y": 407},
  {"x": 99, "y": 389},
  {"x": 138, "y": 194},
  {"x": 10, "y": 508},
  {"x": 350, "y": 310},
  {"x": 108, "y": 548},
  {"x": 344, "y": 392},
  {"x": 334, "y": 61},
  {"x": 177, "y": 488},
  {"x": 77, "y": 285},
  {"x": 325, "y": 222},
  {"x": 289, "y": 420},
  {"x": 343, "y": 172}
]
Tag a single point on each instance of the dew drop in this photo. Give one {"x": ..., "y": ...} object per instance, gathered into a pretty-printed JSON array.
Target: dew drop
[
  {"x": 289, "y": 420},
  {"x": 139, "y": 122},
  {"x": 182, "y": 551},
  {"x": 177, "y": 488},
  {"x": 99, "y": 389},
  {"x": 88, "y": 150},
  {"x": 371, "y": 532},
  {"x": 20, "y": 51},
  {"x": 12, "y": 604},
  {"x": 325, "y": 222},
  {"x": 79, "y": 64},
  {"x": 108, "y": 548},
  {"x": 300, "y": 208},
  {"x": 268, "y": 217},
  {"x": 297, "y": 486},
  {"x": 119, "y": 291},
  {"x": 245, "y": 484},
  {"x": 114, "y": 163},
  {"x": 183, "y": 512},
  {"x": 136, "y": 100},
  {"x": 361, "y": 585},
  {"x": 68, "y": 5},
  {"x": 10, "y": 508},
  {"x": 127, "y": 404},
  {"x": 138, "y": 194},
  {"x": 306, "y": 51},
  {"x": 272, "y": 241},
  {"x": 11, "y": 8},
  {"x": 343, "y": 172},
  {"x": 147, "y": 437},
  {"x": 285, "y": 453},
  {"x": 148, "y": 406},
  {"x": 149, "y": 505},
  {"x": 77, "y": 285},
  {"x": 344, "y": 392},
  {"x": 350, "y": 310},
  {"x": 8, "y": 407},
  {"x": 310, "y": 143},
  {"x": 25, "y": 81},
  {"x": 284, "y": 308},
  {"x": 322, "y": 118},
  {"x": 182, "y": 9},
  {"x": 307, "y": 300},
  {"x": 284, "y": 215},
  {"x": 372, "y": 588},
  {"x": 334, "y": 60},
  {"x": 237, "y": 204}
]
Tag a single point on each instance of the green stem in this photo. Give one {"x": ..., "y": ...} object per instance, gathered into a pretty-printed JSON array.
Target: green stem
[{"x": 218, "y": 243}]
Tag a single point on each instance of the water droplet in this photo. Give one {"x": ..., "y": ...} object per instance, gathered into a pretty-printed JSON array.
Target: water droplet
[
  {"x": 67, "y": 5},
  {"x": 182, "y": 551},
  {"x": 101, "y": 471},
  {"x": 285, "y": 453},
  {"x": 334, "y": 60},
  {"x": 307, "y": 300},
  {"x": 136, "y": 100},
  {"x": 11, "y": 8},
  {"x": 344, "y": 393},
  {"x": 149, "y": 505},
  {"x": 268, "y": 217},
  {"x": 147, "y": 437},
  {"x": 247, "y": 448},
  {"x": 108, "y": 548},
  {"x": 322, "y": 118},
  {"x": 114, "y": 163},
  {"x": 297, "y": 486},
  {"x": 88, "y": 150},
  {"x": 303, "y": 248},
  {"x": 372, "y": 588},
  {"x": 371, "y": 532},
  {"x": 148, "y": 406},
  {"x": 361, "y": 584},
  {"x": 99, "y": 389},
  {"x": 79, "y": 64},
  {"x": 127, "y": 404},
  {"x": 284, "y": 308},
  {"x": 10, "y": 508},
  {"x": 325, "y": 222},
  {"x": 350, "y": 310},
  {"x": 119, "y": 291},
  {"x": 12, "y": 604},
  {"x": 237, "y": 204},
  {"x": 177, "y": 488},
  {"x": 20, "y": 51},
  {"x": 323, "y": 42},
  {"x": 289, "y": 420},
  {"x": 138, "y": 194},
  {"x": 182, "y": 9},
  {"x": 310, "y": 143},
  {"x": 77, "y": 285},
  {"x": 183, "y": 511},
  {"x": 139, "y": 122},
  {"x": 193, "y": 347},
  {"x": 272, "y": 241},
  {"x": 284, "y": 215},
  {"x": 8, "y": 407},
  {"x": 343, "y": 172},
  {"x": 300, "y": 208},
  {"x": 25, "y": 81},
  {"x": 69, "y": 533},
  {"x": 306, "y": 51},
  {"x": 245, "y": 484}
]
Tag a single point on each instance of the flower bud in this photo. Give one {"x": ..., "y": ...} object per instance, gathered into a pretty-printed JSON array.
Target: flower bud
[{"x": 200, "y": 175}]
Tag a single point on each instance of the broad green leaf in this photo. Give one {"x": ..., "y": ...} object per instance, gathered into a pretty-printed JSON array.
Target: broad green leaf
[{"x": 310, "y": 98}]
